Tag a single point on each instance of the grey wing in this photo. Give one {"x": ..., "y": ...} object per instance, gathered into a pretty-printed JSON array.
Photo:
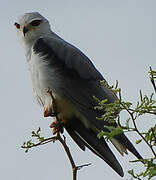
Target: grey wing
[{"x": 78, "y": 80}]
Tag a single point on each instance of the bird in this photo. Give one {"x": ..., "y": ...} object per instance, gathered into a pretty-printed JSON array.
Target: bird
[{"x": 62, "y": 73}]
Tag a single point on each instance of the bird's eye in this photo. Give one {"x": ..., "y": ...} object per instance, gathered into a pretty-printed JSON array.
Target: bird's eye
[
  {"x": 35, "y": 22},
  {"x": 17, "y": 25}
]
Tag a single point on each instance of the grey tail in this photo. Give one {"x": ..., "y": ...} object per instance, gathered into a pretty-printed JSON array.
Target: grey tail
[
  {"x": 122, "y": 139},
  {"x": 87, "y": 138}
]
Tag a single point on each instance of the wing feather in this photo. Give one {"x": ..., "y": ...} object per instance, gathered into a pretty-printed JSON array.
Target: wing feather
[
  {"x": 77, "y": 79},
  {"x": 97, "y": 146}
]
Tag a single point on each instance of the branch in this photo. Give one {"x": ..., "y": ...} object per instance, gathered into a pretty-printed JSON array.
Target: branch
[
  {"x": 59, "y": 138},
  {"x": 63, "y": 142},
  {"x": 152, "y": 76},
  {"x": 29, "y": 144},
  {"x": 146, "y": 105},
  {"x": 136, "y": 129}
]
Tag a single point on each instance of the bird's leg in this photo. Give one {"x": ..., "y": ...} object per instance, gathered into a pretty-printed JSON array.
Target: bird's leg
[
  {"x": 57, "y": 125},
  {"x": 50, "y": 105},
  {"x": 54, "y": 113}
]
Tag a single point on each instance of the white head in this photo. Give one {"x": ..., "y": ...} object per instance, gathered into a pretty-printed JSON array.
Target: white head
[{"x": 31, "y": 26}]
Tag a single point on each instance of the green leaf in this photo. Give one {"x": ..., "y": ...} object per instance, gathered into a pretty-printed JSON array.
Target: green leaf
[
  {"x": 112, "y": 132},
  {"x": 138, "y": 141},
  {"x": 41, "y": 139},
  {"x": 39, "y": 129}
]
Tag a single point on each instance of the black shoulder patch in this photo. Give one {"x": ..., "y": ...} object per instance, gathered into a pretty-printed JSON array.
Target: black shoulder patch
[
  {"x": 43, "y": 48},
  {"x": 40, "y": 47}
]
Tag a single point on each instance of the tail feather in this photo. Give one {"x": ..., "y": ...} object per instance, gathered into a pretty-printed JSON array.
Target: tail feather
[
  {"x": 75, "y": 137},
  {"x": 124, "y": 141},
  {"x": 120, "y": 147},
  {"x": 98, "y": 146},
  {"x": 81, "y": 143}
]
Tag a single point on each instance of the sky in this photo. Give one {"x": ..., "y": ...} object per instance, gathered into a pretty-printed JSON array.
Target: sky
[{"x": 117, "y": 35}]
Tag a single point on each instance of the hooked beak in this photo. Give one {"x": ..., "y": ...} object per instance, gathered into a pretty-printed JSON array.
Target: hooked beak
[{"x": 25, "y": 30}]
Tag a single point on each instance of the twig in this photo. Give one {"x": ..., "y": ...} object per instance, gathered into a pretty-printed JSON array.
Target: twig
[
  {"x": 66, "y": 148},
  {"x": 145, "y": 111},
  {"x": 58, "y": 137},
  {"x": 63, "y": 142},
  {"x": 45, "y": 141},
  {"x": 79, "y": 167},
  {"x": 154, "y": 136},
  {"x": 152, "y": 79},
  {"x": 136, "y": 129},
  {"x": 153, "y": 83}
]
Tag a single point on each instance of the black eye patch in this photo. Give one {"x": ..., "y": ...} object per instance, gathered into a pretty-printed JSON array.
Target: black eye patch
[{"x": 36, "y": 22}]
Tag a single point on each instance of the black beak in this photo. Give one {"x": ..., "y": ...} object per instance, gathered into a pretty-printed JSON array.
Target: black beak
[{"x": 25, "y": 30}]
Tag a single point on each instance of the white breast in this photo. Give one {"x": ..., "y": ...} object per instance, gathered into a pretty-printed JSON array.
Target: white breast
[
  {"x": 42, "y": 80},
  {"x": 36, "y": 68}
]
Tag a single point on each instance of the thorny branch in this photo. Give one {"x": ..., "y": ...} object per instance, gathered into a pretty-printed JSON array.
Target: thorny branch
[
  {"x": 59, "y": 138},
  {"x": 132, "y": 111},
  {"x": 136, "y": 129},
  {"x": 152, "y": 76},
  {"x": 66, "y": 148},
  {"x": 29, "y": 144},
  {"x": 146, "y": 105}
]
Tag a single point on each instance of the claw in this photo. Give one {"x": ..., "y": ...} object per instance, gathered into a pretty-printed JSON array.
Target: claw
[
  {"x": 56, "y": 126},
  {"x": 52, "y": 125},
  {"x": 54, "y": 130}
]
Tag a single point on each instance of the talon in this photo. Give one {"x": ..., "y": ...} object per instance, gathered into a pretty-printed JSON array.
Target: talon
[
  {"x": 54, "y": 130},
  {"x": 54, "y": 126}
]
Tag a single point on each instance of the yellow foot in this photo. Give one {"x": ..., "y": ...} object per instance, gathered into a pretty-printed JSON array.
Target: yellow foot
[
  {"x": 56, "y": 126},
  {"x": 53, "y": 125}
]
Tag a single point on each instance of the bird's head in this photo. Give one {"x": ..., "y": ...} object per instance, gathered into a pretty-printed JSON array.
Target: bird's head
[{"x": 31, "y": 26}]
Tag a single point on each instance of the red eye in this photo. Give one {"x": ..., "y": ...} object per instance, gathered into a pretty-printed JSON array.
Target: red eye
[
  {"x": 17, "y": 25},
  {"x": 35, "y": 22}
]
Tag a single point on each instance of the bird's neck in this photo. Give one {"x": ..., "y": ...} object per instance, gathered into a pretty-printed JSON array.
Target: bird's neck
[{"x": 28, "y": 49}]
